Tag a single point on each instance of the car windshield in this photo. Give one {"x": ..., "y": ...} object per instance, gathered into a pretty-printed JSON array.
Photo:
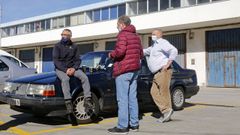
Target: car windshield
[
  {"x": 20, "y": 64},
  {"x": 91, "y": 60}
]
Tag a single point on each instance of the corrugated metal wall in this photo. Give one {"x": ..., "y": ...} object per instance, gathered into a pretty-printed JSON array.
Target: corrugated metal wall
[
  {"x": 223, "y": 57},
  {"x": 179, "y": 41}
]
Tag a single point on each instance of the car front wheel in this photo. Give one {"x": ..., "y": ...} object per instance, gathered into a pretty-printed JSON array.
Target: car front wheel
[
  {"x": 178, "y": 98},
  {"x": 82, "y": 114}
]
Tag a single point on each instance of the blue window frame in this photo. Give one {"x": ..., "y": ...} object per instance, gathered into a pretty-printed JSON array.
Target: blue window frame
[
  {"x": 113, "y": 12},
  {"x": 96, "y": 15},
  {"x": 121, "y": 10},
  {"x": 105, "y": 14}
]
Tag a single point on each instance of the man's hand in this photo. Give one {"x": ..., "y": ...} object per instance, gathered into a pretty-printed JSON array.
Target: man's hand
[
  {"x": 109, "y": 55},
  {"x": 70, "y": 71},
  {"x": 165, "y": 67}
]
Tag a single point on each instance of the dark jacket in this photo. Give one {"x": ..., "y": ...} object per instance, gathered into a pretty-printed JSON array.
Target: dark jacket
[
  {"x": 128, "y": 51},
  {"x": 66, "y": 56}
]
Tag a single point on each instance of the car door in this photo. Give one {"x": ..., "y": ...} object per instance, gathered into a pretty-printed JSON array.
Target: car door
[
  {"x": 5, "y": 73},
  {"x": 110, "y": 93},
  {"x": 144, "y": 85}
]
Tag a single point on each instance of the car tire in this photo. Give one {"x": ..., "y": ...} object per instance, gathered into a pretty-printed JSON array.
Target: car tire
[
  {"x": 82, "y": 115},
  {"x": 178, "y": 98}
]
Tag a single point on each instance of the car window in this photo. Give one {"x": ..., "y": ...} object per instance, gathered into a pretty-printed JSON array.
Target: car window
[
  {"x": 144, "y": 67},
  {"x": 91, "y": 60},
  {"x": 15, "y": 61},
  {"x": 23, "y": 65},
  {"x": 175, "y": 67},
  {"x": 3, "y": 66}
]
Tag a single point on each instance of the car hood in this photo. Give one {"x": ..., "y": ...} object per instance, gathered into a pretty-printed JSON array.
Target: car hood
[{"x": 42, "y": 78}]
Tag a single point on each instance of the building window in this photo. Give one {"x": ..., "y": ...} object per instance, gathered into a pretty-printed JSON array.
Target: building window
[
  {"x": 84, "y": 48},
  {"x": 48, "y": 24},
  {"x": 81, "y": 18},
  {"x": 27, "y": 56},
  {"x": 54, "y": 23},
  {"x": 164, "y": 4},
  {"x": 37, "y": 26},
  {"x": 96, "y": 15},
  {"x": 105, "y": 14},
  {"x": 77, "y": 19},
  {"x": 188, "y": 3},
  {"x": 132, "y": 8},
  {"x": 153, "y": 5},
  {"x": 5, "y": 32},
  {"x": 58, "y": 22},
  {"x": 203, "y": 1},
  {"x": 67, "y": 21},
  {"x": 142, "y": 6},
  {"x": 12, "y": 31},
  {"x": 27, "y": 28},
  {"x": 32, "y": 28},
  {"x": 20, "y": 29},
  {"x": 110, "y": 45},
  {"x": 113, "y": 12},
  {"x": 61, "y": 22},
  {"x": 89, "y": 16},
  {"x": 74, "y": 20},
  {"x": 121, "y": 10},
  {"x": 175, "y": 3},
  {"x": 43, "y": 25}
]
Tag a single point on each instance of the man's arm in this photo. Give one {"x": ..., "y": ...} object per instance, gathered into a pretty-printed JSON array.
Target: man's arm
[
  {"x": 147, "y": 51},
  {"x": 172, "y": 51},
  {"x": 77, "y": 60},
  {"x": 120, "y": 49},
  {"x": 57, "y": 62}
]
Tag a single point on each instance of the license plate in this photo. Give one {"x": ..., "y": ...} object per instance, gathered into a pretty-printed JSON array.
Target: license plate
[{"x": 15, "y": 102}]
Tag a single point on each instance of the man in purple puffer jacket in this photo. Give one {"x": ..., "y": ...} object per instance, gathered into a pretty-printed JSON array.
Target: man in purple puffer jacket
[{"x": 127, "y": 55}]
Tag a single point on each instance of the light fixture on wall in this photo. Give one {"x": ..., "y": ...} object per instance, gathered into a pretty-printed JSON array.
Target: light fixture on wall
[{"x": 190, "y": 34}]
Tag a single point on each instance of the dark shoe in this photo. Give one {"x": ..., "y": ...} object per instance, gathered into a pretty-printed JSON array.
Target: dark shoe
[
  {"x": 134, "y": 128},
  {"x": 72, "y": 119},
  {"x": 116, "y": 130},
  {"x": 69, "y": 106},
  {"x": 166, "y": 117},
  {"x": 157, "y": 115},
  {"x": 88, "y": 103}
]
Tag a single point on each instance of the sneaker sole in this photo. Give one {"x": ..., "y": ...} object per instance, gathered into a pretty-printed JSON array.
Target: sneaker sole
[
  {"x": 114, "y": 133},
  {"x": 168, "y": 117}
]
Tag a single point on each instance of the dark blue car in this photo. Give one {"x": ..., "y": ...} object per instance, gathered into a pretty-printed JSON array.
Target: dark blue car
[{"x": 41, "y": 94}]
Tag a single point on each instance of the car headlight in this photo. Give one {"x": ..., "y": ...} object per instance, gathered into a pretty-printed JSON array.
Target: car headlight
[{"x": 41, "y": 90}]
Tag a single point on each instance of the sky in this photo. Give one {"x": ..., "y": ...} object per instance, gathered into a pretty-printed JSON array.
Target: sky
[{"x": 12, "y": 10}]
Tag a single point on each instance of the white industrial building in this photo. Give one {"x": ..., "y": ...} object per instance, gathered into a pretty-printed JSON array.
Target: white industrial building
[{"x": 206, "y": 33}]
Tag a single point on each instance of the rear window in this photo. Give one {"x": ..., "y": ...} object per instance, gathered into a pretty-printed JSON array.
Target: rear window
[
  {"x": 3, "y": 66},
  {"x": 16, "y": 61}
]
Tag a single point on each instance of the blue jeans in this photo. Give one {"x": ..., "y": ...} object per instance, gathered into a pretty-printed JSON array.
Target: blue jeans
[{"x": 126, "y": 85}]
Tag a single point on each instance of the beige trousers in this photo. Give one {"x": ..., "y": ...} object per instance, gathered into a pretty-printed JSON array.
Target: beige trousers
[{"x": 160, "y": 90}]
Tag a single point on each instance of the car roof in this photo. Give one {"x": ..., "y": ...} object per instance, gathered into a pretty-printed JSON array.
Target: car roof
[{"x": 4, "y": 53}]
